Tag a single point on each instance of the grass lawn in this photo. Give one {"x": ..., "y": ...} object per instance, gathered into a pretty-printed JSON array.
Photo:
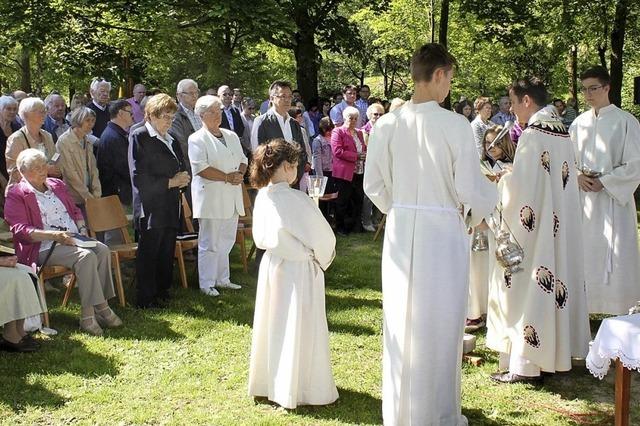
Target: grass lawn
[{"x": 188, "y": 365}]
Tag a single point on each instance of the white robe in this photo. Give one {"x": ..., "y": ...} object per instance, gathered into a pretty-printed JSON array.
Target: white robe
[
  {"x": 610, "y": 143},
  {"x": 540, "y": 312},
  {"x": 290, "y": 360},
  {"x": 422, "y": 167}
]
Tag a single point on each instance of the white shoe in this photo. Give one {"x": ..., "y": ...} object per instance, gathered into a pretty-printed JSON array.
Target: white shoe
[
  {"x": 231, "y": 286},
  {"x": 369, "y": 228},
  {"x": 211, "y": 291}
]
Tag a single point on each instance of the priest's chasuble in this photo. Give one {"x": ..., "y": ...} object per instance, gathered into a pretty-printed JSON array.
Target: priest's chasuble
[
  {"x": 540, "y": 313},
  {"x": 422, "y": 169},
  {"x": 609, "y": 143}
]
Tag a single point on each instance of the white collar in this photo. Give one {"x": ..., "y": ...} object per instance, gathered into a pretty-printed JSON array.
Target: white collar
[
  {"x": 154, "y": 133},
  {"x": 286, "y": 118},
  {"x": 102, "y": 108}
]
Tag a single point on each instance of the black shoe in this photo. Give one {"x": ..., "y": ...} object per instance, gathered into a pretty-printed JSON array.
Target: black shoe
[
  {"x": 23, "y": 345},
  {"x": 515, "y": 378},
  {"x": 29, "y": 338}
]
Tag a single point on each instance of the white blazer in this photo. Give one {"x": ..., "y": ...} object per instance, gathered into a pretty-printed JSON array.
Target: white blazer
[{"x": 215, "y": 199}]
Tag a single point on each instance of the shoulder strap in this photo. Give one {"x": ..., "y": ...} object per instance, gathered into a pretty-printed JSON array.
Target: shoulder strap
[{"x": 25, "y": 138}]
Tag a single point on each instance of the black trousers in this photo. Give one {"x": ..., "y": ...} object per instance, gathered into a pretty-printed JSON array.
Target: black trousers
[
  {"x": 154, "y": 263},
  {"x": 349, "y": 204}
]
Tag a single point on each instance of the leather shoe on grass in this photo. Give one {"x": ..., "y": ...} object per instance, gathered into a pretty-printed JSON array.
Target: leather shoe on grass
[
  {"x": 515, "y": 378},
  {"x": 24, "y": 345}
]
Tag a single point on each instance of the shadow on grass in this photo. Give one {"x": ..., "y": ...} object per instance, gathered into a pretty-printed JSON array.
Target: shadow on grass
[
  {"x": 340, "y": 303},
  {"x": 57, "y": 357},
  {"x": 355, "y": 330},
  {"x": 138, "y": 324},
  {"x": 352, "y": 407},
  {"x": 477, "y": 418}
]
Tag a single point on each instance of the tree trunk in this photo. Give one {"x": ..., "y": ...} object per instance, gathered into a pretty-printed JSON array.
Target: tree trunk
[
  {"x": 617, "y": 46},
  {"x": 306, "y": 54},
  {"x": 574, "y": 74},
  {"x": 444, "y": 27},
  {"x": 432, "y": 19},
  {"x": 25, "y": 65}
]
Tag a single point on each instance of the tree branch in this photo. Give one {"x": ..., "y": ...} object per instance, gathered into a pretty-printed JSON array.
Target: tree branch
[{"x": 111, "y": 26}]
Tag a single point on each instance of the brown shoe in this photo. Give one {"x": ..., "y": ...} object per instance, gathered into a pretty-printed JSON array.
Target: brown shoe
[{"x": 107, "y": 318}]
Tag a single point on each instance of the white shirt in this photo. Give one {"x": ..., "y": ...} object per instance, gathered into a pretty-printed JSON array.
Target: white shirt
[
  {"x": 285, "y": 125},
  {"x": 100, "y": 107},
  {"x": 53, "y": 213},
  {"x": 227, "y": 112},
  {"x": 168, "y": 140}
]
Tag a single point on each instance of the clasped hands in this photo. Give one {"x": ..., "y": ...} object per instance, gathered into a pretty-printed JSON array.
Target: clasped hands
[
  {"x": 179, "y": 180},
  {"x": 234, "y": 178},
  {"x": 589, "y": 184}
]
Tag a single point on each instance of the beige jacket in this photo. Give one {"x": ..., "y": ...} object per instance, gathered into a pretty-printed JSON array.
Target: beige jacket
[
  {"x": 78, "y": 166},
  {"x": 18, "y": 142}
]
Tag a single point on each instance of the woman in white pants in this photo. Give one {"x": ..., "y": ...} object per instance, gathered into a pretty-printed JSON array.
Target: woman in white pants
[{"x": 218, "y": 165}]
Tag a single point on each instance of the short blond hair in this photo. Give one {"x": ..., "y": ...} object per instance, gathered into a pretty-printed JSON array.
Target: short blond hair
[
  {"x": 28, "y": 158},
  {"x": 158, "y": 105}
]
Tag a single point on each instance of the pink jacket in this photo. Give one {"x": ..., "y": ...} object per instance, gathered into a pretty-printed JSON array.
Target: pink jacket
[
  {"x": 21, "y": 211},
  {"x": 344, "y": 152}
]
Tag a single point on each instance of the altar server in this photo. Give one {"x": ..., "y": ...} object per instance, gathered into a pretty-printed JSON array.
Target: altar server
[
  {"x": 290, "y": 361},
  {"x": 537, "y": 317},
  {"x": 423, "y": 172},
  {"x": 607, "y": 144}
]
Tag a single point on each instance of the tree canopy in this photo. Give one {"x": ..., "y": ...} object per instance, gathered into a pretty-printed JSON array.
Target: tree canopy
[{"x": 320, "y": 45}]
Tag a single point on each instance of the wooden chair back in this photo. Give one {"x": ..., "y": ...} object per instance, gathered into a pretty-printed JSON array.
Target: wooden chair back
[
  {"x": 188, "y": 215},
  {"x": 106, "y": 214},
  {"x": 246, "y": 201}
]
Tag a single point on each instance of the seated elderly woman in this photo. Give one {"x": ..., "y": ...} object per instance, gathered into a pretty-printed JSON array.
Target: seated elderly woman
[
  {"x": 40, "y": 212},
  {"x": 18, "y": 300},
  {"x": 32, "y": 112},
  {"x": 77, "y": 162},
  {"x": 218, "y": 166}
]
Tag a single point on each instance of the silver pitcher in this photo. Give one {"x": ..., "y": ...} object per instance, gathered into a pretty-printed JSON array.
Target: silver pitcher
[
  {"x": 508, "y": 253},
  {"x": 480, "y": 241}
]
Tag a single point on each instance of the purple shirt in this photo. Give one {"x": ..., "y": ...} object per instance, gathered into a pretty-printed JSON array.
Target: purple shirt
[{"x": 138, "y": 113}]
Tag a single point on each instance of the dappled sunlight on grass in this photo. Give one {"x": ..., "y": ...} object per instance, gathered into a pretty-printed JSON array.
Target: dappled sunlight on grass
[{"x": 188, "y": 364}]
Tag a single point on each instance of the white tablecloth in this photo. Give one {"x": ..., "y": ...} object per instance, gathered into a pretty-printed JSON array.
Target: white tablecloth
[{"x": 618, "y": 337}]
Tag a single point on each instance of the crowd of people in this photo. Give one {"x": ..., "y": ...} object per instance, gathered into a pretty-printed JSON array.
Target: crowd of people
[{"x": 455, "y": 186}]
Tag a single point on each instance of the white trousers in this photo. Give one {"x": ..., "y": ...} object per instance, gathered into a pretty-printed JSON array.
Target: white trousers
[
  {"x": 216, "y": 238},
  {"x": 518, "y": 365}
]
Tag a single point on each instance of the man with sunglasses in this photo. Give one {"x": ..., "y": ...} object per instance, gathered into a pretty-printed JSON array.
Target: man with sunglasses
[{"x": 607, "y": 145}]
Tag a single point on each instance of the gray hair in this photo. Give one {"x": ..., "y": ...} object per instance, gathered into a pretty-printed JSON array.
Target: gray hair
[
  {"x": 30, "y": 105},
  {"x": 223, "y": 89},
  {"x": 373, "y": 108},
  {"x": 80, "y": 114},
  {"x": 6, "y": 101},
  {"x": 28, "y": 158},
  {"x": 50, "y": 98},
  {"x": 349, "y": 111},
  {"x": 205, "y": 103},
  {"x": 183, "y": 84},
  {"x": 96, "y": 83}
]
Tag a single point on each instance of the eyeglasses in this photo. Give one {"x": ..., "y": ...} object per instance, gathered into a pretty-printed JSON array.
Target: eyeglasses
[
  {"x": 590, "y": 89},
  {"x": 352, "y": 118},
  {"x": 227, "y": 95},
  {"x": 283, "y": 96},
  {"x": 128, "y": 110},
  {"x": 167, "y": 117},
  {"x": 376, "y": 114},
  {"x": 195, "y": 93}
]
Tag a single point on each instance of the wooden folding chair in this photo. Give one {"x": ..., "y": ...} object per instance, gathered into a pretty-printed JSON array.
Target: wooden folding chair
[
  {"x": 50, "y": 272},
  {"x": 185, "y": 244},
  {"x": 380, "y": 227},
  {"x": 106, "y": 214},
  {"x": 245, "y": 230}
]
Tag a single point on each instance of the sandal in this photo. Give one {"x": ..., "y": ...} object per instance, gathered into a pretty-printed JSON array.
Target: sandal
[
  {"x": 92, "y": 328},
  {"x": 107, "y": 318}
]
